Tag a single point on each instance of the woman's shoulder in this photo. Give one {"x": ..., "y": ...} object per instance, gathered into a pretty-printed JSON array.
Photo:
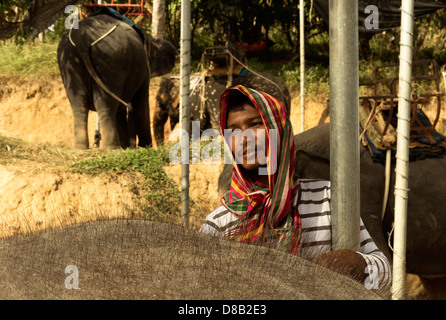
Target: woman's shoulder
[
  {"x": 219, "y": 220},
  {"x": 221, "y": 216}
]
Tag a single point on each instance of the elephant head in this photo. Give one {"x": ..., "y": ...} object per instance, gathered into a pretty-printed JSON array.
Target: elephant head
[{"x": 162, "y": 56}]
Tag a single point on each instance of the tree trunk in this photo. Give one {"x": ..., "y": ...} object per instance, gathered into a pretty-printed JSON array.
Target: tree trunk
[{"x": 159, "y": 19}]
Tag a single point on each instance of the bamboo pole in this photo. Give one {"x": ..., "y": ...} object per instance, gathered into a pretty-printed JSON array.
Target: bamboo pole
[
  {"x": 402, "y": 152},
  {"x": 344, "y": 128},
  {"x": 185, "y": 108}
]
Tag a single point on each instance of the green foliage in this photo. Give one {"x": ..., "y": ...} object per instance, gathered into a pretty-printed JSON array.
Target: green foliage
[
  {"x": 215, "y": 22},
  {"x": 149, "y": 162},
  {"x": 31, "y": 58},
  {"x": 144, "y": 160}
]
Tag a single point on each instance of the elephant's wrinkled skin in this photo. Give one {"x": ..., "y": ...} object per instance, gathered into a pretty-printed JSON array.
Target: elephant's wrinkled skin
[
  {"x": 119, "y": 60},
  {"x": 121, "y": 259},
  {"x": 208, "y": 113},
  {"x": 426, "y": 218}
]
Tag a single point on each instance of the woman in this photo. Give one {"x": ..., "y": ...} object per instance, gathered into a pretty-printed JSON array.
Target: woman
[{"x": 267, "y": 205}]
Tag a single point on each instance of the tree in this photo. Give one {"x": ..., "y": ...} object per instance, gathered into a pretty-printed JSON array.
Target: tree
[
  {"x": 159, "y": 19},
  {"x": 32, "y": 16}
]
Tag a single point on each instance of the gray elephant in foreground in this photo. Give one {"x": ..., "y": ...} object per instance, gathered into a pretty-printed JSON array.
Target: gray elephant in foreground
[
  {"x": 137, "y": 259},
  {"x": 426, "y": 216},
  {"x": 204, "y": 101},
  {"x": 105, "y": 64}
]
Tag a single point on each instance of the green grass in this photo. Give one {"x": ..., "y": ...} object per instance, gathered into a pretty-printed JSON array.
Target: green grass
[
  {"x": 14, "y": 150},
  {"x": 32, "y": 59},
  {"x": 160, "y": 198}
]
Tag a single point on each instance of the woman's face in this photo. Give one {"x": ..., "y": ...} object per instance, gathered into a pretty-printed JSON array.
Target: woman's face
[{"x": 246, "y": 137}]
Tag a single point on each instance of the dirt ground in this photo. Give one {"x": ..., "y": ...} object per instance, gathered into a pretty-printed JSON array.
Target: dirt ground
[{"x": 33, "y": 196}]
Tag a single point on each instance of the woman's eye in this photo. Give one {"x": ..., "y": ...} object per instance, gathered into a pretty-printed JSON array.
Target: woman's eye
[
  {"x": 233, "y": 132},
  {"x": 257, "y": 124}
]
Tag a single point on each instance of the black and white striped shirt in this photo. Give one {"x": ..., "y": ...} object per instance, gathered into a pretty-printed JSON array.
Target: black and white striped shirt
[{"x": 314, "y": 208}]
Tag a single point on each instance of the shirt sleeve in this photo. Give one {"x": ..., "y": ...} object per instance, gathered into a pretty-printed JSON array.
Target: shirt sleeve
[
  {"x": 218, "y": 221},
  {"x": 378, "y": 267}
]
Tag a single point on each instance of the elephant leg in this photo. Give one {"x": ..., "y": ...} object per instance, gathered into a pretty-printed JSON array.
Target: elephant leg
[
  {"x": 173, "y": 123},
  {"x": 159, "y": 121},
  {"x": 107, "y": 108},
  {"x": 121, "y": 125},
  {"x": 80, "y": 114},
  {"x": 141, "y": 111},
  {"x": 131, "y": 131}
]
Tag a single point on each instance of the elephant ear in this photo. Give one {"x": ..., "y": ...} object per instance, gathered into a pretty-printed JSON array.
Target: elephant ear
[{"x": 162, "y": 56}]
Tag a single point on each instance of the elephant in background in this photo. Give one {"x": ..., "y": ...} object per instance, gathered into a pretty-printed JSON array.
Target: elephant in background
[
  {"x": 204, "y": 101},
  {"x": 106, "y": 67},
  {"x": 426, "y": 215},
  {"x": 138, "y": 259}
]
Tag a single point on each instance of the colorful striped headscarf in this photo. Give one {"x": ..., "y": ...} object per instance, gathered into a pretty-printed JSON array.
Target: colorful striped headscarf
[{"x": 265, "y": 209}]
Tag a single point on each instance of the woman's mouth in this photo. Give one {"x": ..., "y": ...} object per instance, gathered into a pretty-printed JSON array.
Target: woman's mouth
[{"x": 249, "y": 154}]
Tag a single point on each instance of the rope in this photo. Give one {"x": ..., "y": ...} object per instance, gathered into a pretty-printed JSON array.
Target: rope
[
  {"x": 369, "y": 120},
  {"x": 203, "y": 98},
  {"x": 443, "y": 72},
  {"x": 69, "y": 37},
  {"x": 257, "y": 74},
  {"x": 147, "y": 49},
  {"x": 387, "y": 183},
  {"x": 390, "y": 236},
  {"x": 105, "y": 35}
]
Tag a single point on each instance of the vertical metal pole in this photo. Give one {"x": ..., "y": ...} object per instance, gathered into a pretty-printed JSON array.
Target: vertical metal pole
[
  {"x": 402, "y": 151},
  {"x": 185, "y": 108},
  {"x": 302, "y": 63},
  {"x": 344, "y": 114}
]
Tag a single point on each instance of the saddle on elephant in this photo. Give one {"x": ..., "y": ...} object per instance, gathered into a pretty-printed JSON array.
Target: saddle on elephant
[
  {"x": 115, "y": 14},
  {"x": 226, "y": 63},
  {"x": 378, "y": 121}
]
